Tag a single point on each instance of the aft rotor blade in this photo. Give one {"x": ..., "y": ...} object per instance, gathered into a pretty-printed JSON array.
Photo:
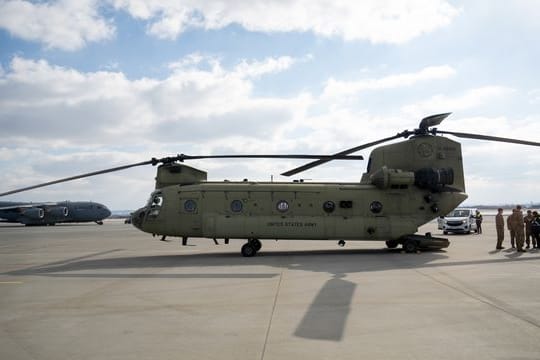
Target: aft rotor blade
[
  {"x": 341, "y": 154},
  {"x": 433, "y": 120},
  {"x": 118, "y": 168},
  {"x": 487, "y": 137}
]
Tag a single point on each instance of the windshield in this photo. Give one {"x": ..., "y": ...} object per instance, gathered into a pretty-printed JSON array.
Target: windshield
[
  {"x": 460, "y": 213},
  {"x": 154, "y": 203}
]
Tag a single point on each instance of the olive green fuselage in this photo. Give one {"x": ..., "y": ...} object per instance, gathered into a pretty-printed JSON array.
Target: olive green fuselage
[
  {"x": 406, "y": 185},
  {"x": 293, "y": 211}
]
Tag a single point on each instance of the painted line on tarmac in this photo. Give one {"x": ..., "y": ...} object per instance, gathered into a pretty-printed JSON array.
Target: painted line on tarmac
[{"x": 11, "y": 282}]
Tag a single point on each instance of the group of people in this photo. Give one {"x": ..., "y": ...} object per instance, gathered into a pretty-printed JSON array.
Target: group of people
[{"x": 523, "y": 229}]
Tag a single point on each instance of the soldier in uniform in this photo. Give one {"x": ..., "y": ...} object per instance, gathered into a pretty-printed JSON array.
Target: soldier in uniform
[
  {"x": 499, "y": 224},
  {"x": 528, "y": 229},
  {"x": 510, "y": 224},
  {"x": 519, "y": 229}
]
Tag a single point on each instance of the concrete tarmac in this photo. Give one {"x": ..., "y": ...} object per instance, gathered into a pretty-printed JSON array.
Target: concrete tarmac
[{"x": 112, "y": 292}]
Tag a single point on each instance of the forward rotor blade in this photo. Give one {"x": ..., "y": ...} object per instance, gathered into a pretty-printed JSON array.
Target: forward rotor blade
[
  {"x": 180, "y": 157},
  {"x": 340, "y": 154},
  {"x": 487, "y": 137},
  {"x": 118, "y": 168},
  {"x": 183, "y": 157}
]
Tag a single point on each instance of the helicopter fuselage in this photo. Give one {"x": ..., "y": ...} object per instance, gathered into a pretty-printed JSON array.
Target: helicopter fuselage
[
  {"x": 318, "y": 211},
  {"x": 406, "y": 185}
]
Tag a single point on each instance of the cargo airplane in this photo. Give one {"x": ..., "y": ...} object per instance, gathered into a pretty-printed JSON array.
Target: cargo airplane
[{"x": 51, "y": 213}]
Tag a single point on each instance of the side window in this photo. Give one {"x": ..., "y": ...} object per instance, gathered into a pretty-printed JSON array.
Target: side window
[
  {"x": 237, "y": 206},
  {"x": 190, "y": 206}
]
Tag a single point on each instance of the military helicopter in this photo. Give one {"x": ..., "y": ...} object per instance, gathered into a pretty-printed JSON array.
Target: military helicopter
[{"x": 406, "y": 185}]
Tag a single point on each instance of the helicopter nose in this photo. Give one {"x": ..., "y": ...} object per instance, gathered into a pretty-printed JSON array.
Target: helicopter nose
[{"x": 137, "y": 218}]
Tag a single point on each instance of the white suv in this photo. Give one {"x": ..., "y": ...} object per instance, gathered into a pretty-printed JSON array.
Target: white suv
[{"x": 461, "y": 220}]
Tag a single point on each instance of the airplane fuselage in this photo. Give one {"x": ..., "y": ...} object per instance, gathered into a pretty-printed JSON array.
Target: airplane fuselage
[{"x": 49, "y": 213}]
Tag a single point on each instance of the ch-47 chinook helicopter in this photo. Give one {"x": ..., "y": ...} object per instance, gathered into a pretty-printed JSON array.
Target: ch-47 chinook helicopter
[{"x": 406, "y": 185}]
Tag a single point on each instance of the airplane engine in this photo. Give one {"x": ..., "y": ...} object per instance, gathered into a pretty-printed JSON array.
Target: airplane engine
[
  {"x": 58, "y": 212},
  {"x": 34, "y": 213}
]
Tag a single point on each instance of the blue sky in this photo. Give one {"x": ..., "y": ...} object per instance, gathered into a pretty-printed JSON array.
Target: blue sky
[{"x": 86, "y": 85}]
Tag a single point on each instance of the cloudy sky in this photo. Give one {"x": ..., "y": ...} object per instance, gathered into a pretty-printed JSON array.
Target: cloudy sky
[{"x": 92, "y": 84}]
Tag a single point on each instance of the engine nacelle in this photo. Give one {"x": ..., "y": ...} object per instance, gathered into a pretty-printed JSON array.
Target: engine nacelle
[
  {"x": 385, "y": 178},
  {"x": 434, "y": 179},
  {"x": 426, "y": 178},
  {"x": 58, "y": 212},
  {"x": 34, "y": 213}
]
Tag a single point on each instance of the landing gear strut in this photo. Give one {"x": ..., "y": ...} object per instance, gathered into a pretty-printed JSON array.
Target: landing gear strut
[{"x": 251, "y": 248}]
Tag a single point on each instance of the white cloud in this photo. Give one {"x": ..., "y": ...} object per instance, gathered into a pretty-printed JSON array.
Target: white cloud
[
  {"x": 56, "y": 106},
  {"x": 255, "y": 69},
  {"x": 64, "y": 24},
  {"x": 394, "y": 21},
  {"x": 534, "y": 96},
  {"x": 336, "y": 88},
  {"x": 70, "y": 25},
  {"x": 469, "y": 99}
]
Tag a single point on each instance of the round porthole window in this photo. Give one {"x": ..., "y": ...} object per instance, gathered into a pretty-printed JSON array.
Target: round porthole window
[
  {"x": 282, "y": 206},
  {"x": 236, "y": 206},
  {"x": 375, "y": 207},
  {"x": 190, "y": 205},
  {"x": 329, "y": 206}
]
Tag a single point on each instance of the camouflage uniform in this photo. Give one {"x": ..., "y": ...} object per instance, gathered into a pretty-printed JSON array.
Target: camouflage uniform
[
  {"x": 499, "y": 224},
  {"x": 519, "y": 229}
]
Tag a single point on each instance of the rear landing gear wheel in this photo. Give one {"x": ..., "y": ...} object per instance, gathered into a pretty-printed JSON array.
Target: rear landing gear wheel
[
  {"x": 341, "y": 243},
  {"x": 248, "y": 250},
  {"x": 410, "y": 246}
]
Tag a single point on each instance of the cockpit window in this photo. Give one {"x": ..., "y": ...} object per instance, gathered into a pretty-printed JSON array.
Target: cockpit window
[{"x": 155, "y": 203}]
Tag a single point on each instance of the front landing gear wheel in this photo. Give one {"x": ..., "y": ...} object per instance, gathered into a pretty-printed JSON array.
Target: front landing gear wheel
[
  {"x": 392, "y": 244},
  {"x": 410, "y": 246},
  {"x": 341, "y": 243},
  {"x": 248, "y": 250}
]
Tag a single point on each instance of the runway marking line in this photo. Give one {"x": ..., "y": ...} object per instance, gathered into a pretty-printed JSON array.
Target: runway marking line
[{"x": 11, "y": 282}]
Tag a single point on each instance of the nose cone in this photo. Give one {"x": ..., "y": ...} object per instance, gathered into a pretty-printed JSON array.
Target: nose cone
[
  {"x": 104, "y": 211},
  {"x": 137, "y": 218}
]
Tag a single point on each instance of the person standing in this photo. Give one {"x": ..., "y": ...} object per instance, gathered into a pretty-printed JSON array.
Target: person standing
[
  {"x": 519, "y": 229},
  {"x": 535, "y": 229},
  {"x": 510, "y": 224},
  {"x": 528, "y": 229},
  {"x": 479, "y": 219},
  {"x": 499, "y": 224}
]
